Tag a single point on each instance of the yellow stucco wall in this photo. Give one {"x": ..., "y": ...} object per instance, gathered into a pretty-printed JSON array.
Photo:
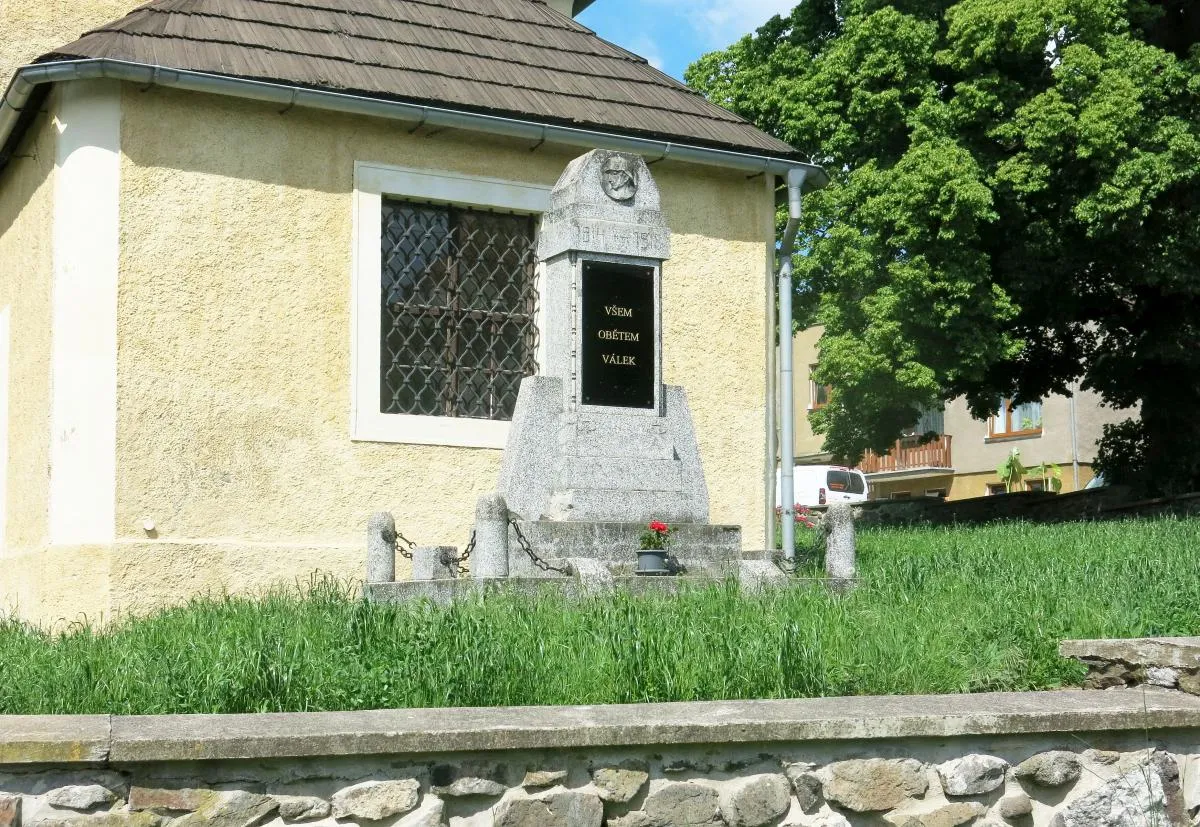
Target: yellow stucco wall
[
  {"x": 804, "y": 356},
  {"x": 234, "y": 343},
  {"x": 29, "y": 28},
  {"x": 67, "y": 583}
]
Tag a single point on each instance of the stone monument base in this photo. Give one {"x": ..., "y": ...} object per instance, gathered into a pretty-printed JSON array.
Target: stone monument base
[
  {"x": 601, "y": 465},
  {"x": 714, "y": 550}
]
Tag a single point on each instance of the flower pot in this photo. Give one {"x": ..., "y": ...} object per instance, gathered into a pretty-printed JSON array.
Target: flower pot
[{"x": 652, "y": 562}]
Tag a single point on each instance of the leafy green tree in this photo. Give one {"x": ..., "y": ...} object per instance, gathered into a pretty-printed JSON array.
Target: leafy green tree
[{"x": 1015, "y": 208}]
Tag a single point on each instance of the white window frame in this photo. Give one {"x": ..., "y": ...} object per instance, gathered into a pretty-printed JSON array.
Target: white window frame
[{"x": 372, "y": 181}]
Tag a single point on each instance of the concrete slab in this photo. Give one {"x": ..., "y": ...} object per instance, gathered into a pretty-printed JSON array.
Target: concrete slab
[
  {"x": 1171, "y": 652},
  {"x": 423, "y": 731},
  {"x": 45, "y": 739}
]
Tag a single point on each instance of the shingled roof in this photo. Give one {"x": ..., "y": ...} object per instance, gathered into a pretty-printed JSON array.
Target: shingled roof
[{"x": 516, "y": 58}]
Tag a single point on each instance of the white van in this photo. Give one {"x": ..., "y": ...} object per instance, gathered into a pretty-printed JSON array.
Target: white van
[{"x": 825, "y": 484}]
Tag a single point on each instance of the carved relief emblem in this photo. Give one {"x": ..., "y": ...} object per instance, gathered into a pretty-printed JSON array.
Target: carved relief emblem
[{"x": 619, "y": 177}]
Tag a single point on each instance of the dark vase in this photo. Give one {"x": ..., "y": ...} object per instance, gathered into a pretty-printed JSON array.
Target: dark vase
[{"x": 652, "y": 562}]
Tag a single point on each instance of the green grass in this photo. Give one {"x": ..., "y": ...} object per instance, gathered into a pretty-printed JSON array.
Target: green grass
[{"x": 939, "y": 610}]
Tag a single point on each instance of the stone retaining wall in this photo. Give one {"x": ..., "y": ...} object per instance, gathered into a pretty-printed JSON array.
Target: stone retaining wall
[{"x": 1069, "y": 759}]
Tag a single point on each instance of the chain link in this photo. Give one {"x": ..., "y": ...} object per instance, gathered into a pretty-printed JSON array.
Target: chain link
[
  {"x": 404, "y": 545},
  {"x": 528, "y": 549},
  {"x": 466, "y": 555}
]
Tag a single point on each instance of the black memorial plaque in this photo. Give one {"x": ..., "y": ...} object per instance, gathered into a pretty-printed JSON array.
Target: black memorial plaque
[{"x": 618, "y": 335}]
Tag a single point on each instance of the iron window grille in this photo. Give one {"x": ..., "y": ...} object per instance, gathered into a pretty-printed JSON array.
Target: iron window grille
[{"x": 459, "y": 309}]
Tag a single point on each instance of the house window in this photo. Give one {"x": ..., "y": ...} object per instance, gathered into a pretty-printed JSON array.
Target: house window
[
  {"x": 1035, "y": 485},
  {"x": 458, "y": 330},
  {"x": 1016, "y": 420},
  {"x": 819, "y": 394},
  {"x": 938, "y": 493},
  {"x": 445, "y": 314},
  {"x": 933, "y": 420},
  {"x": 900, "y": 495},
  {"x": 996, "y": 488}
]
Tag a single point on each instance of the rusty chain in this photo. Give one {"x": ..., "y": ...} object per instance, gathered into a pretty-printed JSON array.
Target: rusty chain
[
  {"x": 523, "y": 542},
  {"x": 404, "y": 545}
]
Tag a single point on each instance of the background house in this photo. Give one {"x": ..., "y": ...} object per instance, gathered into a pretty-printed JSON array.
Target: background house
[
  {"x": 219, "y": 223},
  {"x": 962, "y": 461}
]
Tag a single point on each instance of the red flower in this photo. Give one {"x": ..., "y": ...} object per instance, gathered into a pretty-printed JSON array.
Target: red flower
[{"x": 659, "y": 528}]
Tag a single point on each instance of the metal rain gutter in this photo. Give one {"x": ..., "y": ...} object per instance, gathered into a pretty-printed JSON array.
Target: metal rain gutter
[{"x": 28, "y": 78}]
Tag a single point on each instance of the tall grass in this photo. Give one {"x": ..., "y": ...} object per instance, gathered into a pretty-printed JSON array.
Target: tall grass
[{"x": 939, "y": 610}]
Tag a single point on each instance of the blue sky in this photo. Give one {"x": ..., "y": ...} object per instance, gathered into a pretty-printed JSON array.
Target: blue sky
[{"x": 673, "y": 33}]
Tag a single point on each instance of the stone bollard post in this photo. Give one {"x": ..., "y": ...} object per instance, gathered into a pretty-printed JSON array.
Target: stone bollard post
[
  {"x": 840, "y": 550},
  {"x": 381, "y": 548},
  {"x": 435, "y": 563},
  {"x": 490, "y": 559}
]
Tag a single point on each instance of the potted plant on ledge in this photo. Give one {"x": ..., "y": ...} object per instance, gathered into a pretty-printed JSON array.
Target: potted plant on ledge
[{"x": 652, "y": 550}]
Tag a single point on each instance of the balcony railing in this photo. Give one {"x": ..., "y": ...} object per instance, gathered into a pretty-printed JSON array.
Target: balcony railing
[{"x": 908, "y": 454}]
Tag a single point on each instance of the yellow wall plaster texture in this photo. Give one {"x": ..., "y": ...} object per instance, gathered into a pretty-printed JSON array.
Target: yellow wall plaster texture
[
  {"x": 26, "y": 279},
  {"x": 234, "y": 343},
  {"x": 30, "y": 28}
]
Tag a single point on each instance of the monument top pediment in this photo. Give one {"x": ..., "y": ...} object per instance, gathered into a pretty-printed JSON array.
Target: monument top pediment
[{"x": 606, "y": 202}]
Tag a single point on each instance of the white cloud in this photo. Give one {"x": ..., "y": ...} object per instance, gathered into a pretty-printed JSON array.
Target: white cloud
[
  {"x": 721, "y": 22},
  {"x": 643, "y": 45}
]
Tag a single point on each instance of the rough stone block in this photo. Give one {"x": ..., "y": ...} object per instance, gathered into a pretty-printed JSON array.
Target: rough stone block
[
  {"x": 469, "y": 786},
  {"x": 1051, "y": 769},
  {"x": 873, "y": 784},
  {"x": 1147, "y": 794},
  {"x": 948, "y": 814},
  {"x": 806, "y": 785},
  {"x": 1176, "y": 652},
  {"x": 302, "y": 807},
  {"x": 490, "y": 558},
  {"x": 114, "y": 819},
  {"x": 840, "y": 549},
  {"x": 543, "y": 778},
  {"x": 80, "y": 797},
  {"x": 553, "y": 809},
  {"x": 1017, "y": 805},
  {"x": 683, "y": 804},
  {"x": 755, "y": 800},
  {"x": 381, "y": 548},
  {"x": 972, "y": 774},
  {"x": 635, "y": 819},
  {"x": 434, "y": 563},
  {"x": 1189, "y": 682},
  {"x": 619, "y": 784},
  {"x": 229, "y": 809},
  {"x": 164, "y": 800},
  {"x": 10, "y": 810},
  {"x": 375, "y": 800},
  {"x": 431, "y": 813},
  {"x": 1164, "y": 676}
]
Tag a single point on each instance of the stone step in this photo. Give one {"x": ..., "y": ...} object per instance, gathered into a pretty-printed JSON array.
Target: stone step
[
  {"x": 620, "y": 541},
  {"x": 753, "y": 576},
  {"x": 627, "y": 473}
]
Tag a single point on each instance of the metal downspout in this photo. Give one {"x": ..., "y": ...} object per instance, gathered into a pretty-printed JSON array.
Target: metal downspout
[
  {"x": 787, "y": 389},
  {"x": 771, "y": 458},
  {"x": 1074, "y": 441}
]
